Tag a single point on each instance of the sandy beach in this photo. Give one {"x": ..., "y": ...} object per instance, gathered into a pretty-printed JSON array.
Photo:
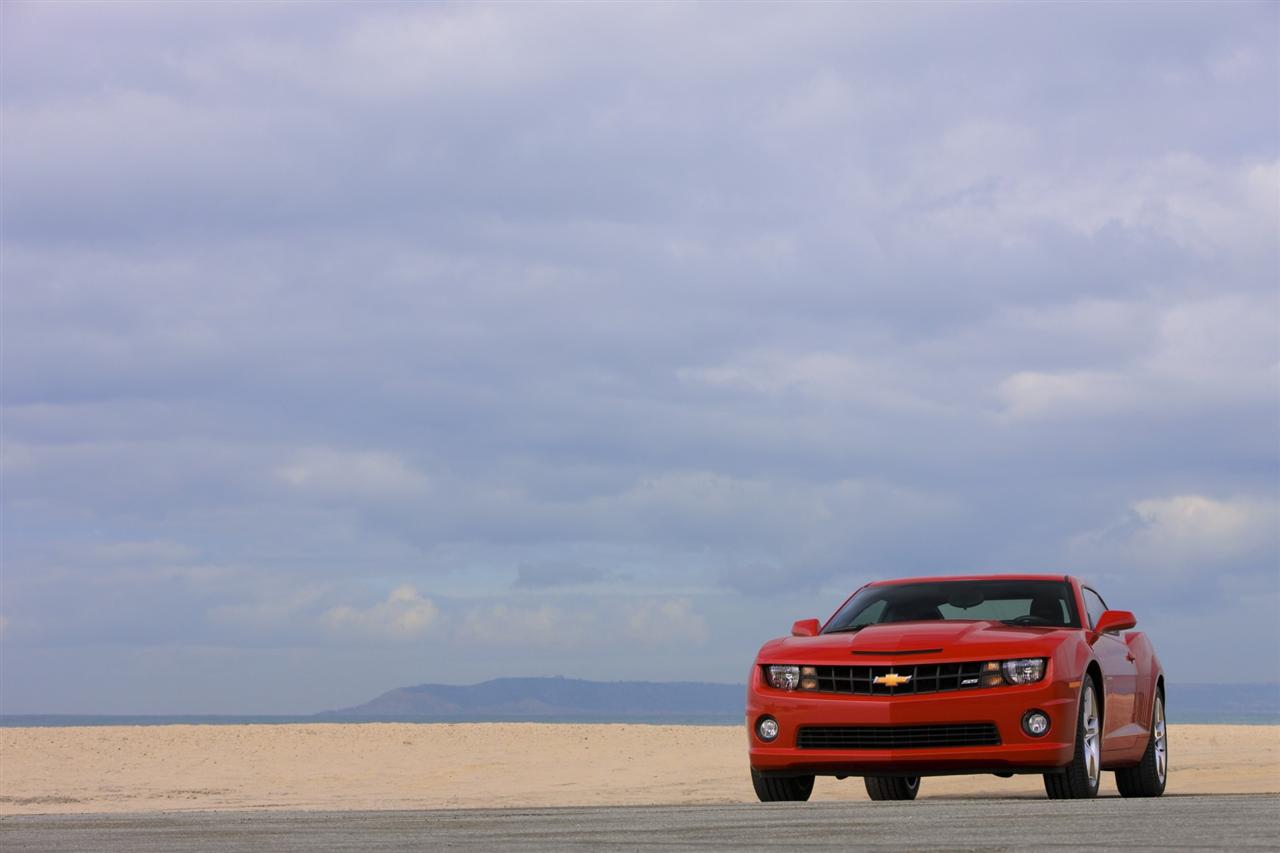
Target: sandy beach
[{"x": 430, "y": 766}]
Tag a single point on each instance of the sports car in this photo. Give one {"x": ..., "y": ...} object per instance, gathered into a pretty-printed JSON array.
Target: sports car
[{"x": 997, "y": 674}]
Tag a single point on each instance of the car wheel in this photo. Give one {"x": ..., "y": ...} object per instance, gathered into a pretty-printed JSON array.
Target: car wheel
[
  {"x": 1149, "y": 777},
  {"x": 892, "y": 787},
  {"x": 781, "y": 789},
  {"x": 1079, "y": 780}
]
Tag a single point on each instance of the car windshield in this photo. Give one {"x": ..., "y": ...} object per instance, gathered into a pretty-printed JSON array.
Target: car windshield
[{"x": 1014, "y": 602}]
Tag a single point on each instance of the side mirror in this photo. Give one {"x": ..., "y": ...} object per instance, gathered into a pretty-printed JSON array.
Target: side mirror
[
  {"x": 806, "y": 628},
  {"x": 1115, "y": 620}
]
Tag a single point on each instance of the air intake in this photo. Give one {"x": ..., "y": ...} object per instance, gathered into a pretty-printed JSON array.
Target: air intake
[{"x": 897, "y": 737}]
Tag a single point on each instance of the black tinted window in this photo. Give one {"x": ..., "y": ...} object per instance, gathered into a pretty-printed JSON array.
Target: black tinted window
[
  {"x": 1020, "y": 602},
  {"x": 1094, "y": 604}
]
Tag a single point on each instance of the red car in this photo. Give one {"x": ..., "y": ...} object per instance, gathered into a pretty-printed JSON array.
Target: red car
[{"x": 937, "y": 676}]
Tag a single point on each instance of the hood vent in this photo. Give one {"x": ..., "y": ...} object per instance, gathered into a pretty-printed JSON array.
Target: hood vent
[{"x": 886, "y": 652}]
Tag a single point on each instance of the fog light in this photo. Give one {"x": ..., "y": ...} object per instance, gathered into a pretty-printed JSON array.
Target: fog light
[
  {"x": 1035, "y": 723},
  {"x": 767, "y": 728}
]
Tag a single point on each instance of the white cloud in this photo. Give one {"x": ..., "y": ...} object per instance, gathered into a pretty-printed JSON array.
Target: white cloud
[
  {"x": 1221, "y": 347},
  {"x": 405, "y": 615},
  {"x": 406, "y": 54},
  {"x": 518, "y": 626},
  {"x": 1193, "y": 527},
  {"x": 586, "y": 622},
  {"x": 1000, "y": 186},
  {"x": 362, "y": 474},
  {"x": 824, "y": 376},
  {"x": 672, "y": 621},
  {"x": 1178, "y": 358},
  {"x": 1184, "y": 535},
  {"x": 273, "y": 610},
  {"x": 1029, "y": 393},
  {"x": 143, "y": 551}
]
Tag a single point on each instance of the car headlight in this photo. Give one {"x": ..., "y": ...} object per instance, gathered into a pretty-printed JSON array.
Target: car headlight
[
  {"x": 791, "y": 677},
  {"x": 784, "y": 677},
  {"x": 1024, "y": 670}
]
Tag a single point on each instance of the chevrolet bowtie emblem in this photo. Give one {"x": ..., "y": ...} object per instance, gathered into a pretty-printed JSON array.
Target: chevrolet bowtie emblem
[{"x": 892, "y": 679}]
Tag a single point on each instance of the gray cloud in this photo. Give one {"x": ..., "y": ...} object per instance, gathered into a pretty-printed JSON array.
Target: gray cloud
[
  {"x": 305, "y": 307},
  {"x": 548, "y": 575}
]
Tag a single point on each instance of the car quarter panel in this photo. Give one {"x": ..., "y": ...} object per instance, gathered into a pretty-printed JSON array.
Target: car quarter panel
[
  {"x": 1120, "y": 682},
  {"x": 1148, "y": 681}
]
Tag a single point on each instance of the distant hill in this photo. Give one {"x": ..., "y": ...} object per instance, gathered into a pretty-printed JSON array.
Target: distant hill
[{"x": 559, "y": 699}]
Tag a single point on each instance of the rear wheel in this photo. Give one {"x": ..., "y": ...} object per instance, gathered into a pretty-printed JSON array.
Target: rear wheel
[
  {"x": 780, "y": 789},
  {"x": 1079, "y": 780},
  {"x": 892, "y": 787},
  {"x": 1149, "y": 777}
]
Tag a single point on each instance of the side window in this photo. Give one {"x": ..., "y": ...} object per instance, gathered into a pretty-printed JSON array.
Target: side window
[{"x": 1094, "y": 604}]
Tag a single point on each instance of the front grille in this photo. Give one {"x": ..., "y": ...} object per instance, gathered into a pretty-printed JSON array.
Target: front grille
[
  {"x": 897, "y": 737},
  {"x": 925, "y": 678}
]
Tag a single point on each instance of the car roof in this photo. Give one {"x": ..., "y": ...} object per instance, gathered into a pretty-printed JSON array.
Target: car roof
[{"x": 1009, "y": 577}]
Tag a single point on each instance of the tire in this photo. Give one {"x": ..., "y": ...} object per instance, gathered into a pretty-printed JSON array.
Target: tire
[
  {"x": 1149, "y": 777},
  {"x": 892, "y": 787},
  {"x": 1079, "y": 780},
  {"x": 781, "y": 789}
]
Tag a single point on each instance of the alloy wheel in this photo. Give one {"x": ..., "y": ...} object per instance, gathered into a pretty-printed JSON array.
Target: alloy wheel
[
  {"x": 1092, "y": 739},
  {"x": 1162, "y": 746}
]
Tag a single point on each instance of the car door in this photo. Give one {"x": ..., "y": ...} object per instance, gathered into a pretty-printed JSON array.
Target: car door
[{"x": 1119, "y": 676}]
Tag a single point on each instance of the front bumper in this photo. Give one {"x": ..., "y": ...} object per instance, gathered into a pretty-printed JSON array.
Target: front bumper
[{"x": 1004, "y": 706}]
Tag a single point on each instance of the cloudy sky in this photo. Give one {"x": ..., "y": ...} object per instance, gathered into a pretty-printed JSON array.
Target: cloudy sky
[{"x": 354, "y": 346}]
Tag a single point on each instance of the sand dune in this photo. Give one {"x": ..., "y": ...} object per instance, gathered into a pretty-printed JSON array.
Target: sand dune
[{"x": 405, "y": 766}]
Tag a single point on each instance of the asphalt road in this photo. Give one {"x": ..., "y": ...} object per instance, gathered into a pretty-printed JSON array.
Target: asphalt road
[{"x": 1182, "y": 823}]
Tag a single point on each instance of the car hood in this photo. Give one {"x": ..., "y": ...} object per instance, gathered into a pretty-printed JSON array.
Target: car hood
[{"x": 917, "y": 641}]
